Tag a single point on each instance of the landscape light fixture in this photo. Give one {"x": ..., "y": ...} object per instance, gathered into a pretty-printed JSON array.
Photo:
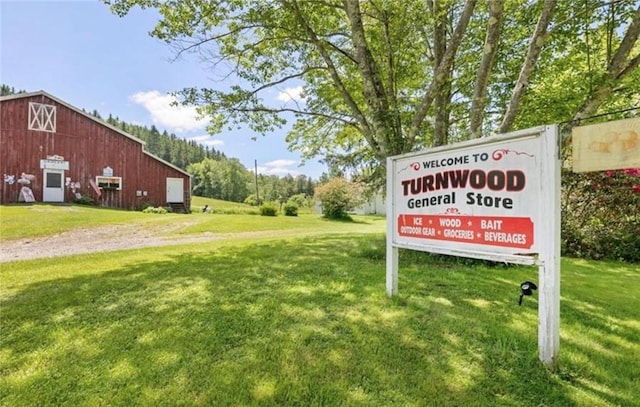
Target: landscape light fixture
[{"x": 526, "y": 288}]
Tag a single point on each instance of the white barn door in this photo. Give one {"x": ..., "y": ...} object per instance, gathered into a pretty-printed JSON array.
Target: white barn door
[
  {"x": 175, "y": 190},
  {"x": 53, "y": 190}
]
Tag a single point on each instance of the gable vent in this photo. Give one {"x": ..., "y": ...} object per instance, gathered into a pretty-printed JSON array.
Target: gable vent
[{"x": 42, "y": 117}]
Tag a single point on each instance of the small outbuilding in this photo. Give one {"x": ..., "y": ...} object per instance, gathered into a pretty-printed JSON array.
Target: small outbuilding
[{"x": 51, "y": 151}]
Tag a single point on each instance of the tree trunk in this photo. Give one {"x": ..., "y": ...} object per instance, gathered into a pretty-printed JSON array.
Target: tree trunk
[
  {"x": 373, "y": 88},
  {"x": 440, "y": 71},
  {"x": 443, "y": 91},
  {"x": 491, "y": 41}
]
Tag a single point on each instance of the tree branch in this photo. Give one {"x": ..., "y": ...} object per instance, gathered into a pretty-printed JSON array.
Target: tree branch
[
  {"x": 264, "y": 109},
  {"x": 335, "y": 76},
  {"x": 633, "y": 64},
  {"x": 616, "y": 70},
  {"x": 535, "y": 47}
]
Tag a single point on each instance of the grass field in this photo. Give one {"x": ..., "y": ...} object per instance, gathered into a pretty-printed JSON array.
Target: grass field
[{"x": 302, "y": 319}]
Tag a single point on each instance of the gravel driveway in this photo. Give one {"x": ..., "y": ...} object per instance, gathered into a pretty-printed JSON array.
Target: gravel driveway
[{"x": 103, "y": 238}]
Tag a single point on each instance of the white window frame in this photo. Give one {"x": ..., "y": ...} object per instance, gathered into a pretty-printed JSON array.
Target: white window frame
[
  {"x": 100, "y": 179},
  {"x": 42, "y": 117}
]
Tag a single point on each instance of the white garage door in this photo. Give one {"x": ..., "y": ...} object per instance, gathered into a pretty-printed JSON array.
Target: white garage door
[{"x": 175, "y": 190}]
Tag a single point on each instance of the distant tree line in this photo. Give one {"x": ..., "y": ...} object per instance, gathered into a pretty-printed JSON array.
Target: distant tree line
[
  {"x": 6, "y": 90},
  {"x": 229, "y": 180},
  {"x": 168, "y": 146}
]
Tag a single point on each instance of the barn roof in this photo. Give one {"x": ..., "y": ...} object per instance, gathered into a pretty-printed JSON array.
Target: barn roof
[{"x": 95, "y": 119}]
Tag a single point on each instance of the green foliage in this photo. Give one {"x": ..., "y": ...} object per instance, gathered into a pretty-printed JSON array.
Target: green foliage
[
  {"x": 6, "y": 90},
  {"x": 275, "y": 188},
  {"x": 290, "y": 210},
  {"x": 217, "y": 206},
  {"x": 224, "y": 179},
  {"x": 252, "y": 200},
  {"x": 370, "y": 92},
  {"x": 269, "y": 209},
  {"x": 600, "y": 216},
  {"x": 338, "y": 196},
  {"x": 143, "y": 206},
  {"x": 84, "y": 200},
  {"x": 158, "y": 210},
  {"x": 301, "y": 201}
]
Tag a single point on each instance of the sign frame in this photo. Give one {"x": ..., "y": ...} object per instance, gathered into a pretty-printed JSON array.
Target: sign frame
[{"x": 546, "y": 233}]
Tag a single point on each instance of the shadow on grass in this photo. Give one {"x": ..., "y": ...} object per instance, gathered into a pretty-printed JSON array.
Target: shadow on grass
[
  {"x": 354, "y": 219},
  {"x": 284, "y": 323}
]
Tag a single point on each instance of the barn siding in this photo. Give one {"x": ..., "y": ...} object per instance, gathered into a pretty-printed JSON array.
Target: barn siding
[{"x": 89, "y": 145}]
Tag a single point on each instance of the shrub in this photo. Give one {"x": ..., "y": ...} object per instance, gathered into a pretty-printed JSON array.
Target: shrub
[
  {"x": 290, "y": 210},
  {"x": 300, "y": 201},
  {"x": 84, "y": 200},
  {"x": 151, "y": 209},
  {"x": 143, "y": 206},
  {"x": 338, "y": 196},
  {"x": 600, "y": 217},
  {"x": 269, "y": 209},
  {"x": 252, "y": 200}
]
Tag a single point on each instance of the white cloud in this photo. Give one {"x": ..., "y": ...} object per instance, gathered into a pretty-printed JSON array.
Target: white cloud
[
  {"x": 280, "y": 163},
  {"x": 290, "y": 94},
  {"x": 174, "y": 118},
  {"x": 277, "y": 167},
  {"x": 207, "y": 140}
]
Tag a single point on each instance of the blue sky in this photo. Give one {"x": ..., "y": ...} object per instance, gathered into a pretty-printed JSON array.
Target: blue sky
[{"x": 80, "y": 52}]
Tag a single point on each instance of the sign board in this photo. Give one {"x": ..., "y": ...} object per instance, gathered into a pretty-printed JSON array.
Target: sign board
[
  {"x": 26, "y": 195},
  {"x": 606, "y": 146},
  {"x": 54, "y": 165},
  {"x": 494, "y": 198}
]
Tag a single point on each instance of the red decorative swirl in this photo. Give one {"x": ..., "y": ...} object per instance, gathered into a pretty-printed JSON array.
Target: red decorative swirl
[{"x": 498, "y": 154}]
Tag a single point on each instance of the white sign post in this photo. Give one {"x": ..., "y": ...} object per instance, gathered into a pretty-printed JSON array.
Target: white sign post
[{"x": 495, "y": 198}]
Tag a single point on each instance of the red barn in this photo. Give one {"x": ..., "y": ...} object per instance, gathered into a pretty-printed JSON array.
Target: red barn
[{"x": 51, "y": 151}]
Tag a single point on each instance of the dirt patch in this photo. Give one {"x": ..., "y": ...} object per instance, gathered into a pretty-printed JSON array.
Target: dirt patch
[{"x": 98, "y": 239}]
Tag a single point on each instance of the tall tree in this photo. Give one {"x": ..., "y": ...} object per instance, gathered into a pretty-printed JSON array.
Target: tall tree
[{"x": 383, "y": 77}]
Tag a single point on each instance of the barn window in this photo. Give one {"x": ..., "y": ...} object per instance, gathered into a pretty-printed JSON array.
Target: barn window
[
  {"x": 109, "y": 182},
  {"x": 42, "y": 117}
]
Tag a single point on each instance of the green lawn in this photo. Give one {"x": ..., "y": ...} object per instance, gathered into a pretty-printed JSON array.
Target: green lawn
[
  {"x": 19, "y": 221},
  {"x": 303, "y": 320}
]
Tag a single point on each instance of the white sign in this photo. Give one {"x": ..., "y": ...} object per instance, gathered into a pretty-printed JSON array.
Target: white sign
[
  {"x": 54, "y": 165},
  {"x": 495, "y": 198},
  {"x": 107, "y": 171}
]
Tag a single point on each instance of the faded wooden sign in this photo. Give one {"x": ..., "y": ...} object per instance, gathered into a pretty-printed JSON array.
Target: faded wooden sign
[{"x": 607, "y": 146}]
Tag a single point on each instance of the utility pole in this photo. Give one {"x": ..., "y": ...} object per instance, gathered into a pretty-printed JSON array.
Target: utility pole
[{"x": 255, "y": 165}]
